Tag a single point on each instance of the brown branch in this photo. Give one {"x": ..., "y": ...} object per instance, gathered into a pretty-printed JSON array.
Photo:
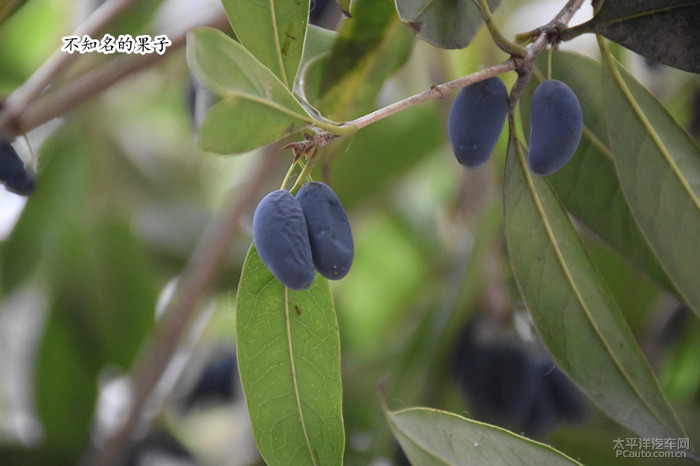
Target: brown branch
[
  {"x": 202, "y": 266},
  {"x": 521, "y": 65},
  {"x": 20, "y": 98},
  {"x": 92, "y": 83}
]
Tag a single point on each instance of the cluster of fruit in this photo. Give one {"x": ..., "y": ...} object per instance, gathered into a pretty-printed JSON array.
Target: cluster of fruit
[
  {"x": 13, "y": 173},
  {"x": 479, "y": 112},
  {"x": 296, "y": 235},
  {"x": 507, "y": 386}
]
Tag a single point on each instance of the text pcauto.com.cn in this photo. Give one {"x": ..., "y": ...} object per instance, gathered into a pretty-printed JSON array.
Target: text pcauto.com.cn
[
  {"x": 635, "y": 447},
  {"x": 123, "y": 43}
]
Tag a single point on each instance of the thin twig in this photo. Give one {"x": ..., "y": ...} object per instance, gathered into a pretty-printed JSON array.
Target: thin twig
[
  {"x": 20, "y": 98},
  {"x": 522, "y": 65}
]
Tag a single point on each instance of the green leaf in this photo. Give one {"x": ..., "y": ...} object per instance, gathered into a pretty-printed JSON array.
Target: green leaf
[
  {"x": 659, "y": 169},
  {"x": 257, "y": 108},
  {"x": 574, "y": 312},
  {"x": 433, "y": 437},
  {"x": 319, "y": 43},
  {"x": 603, "y": 209},
  {"x": 273, "y": 30},
  {"x": 448, "y": 24},
  {"x": 664, "y": 30},
  {"x": 346, "y": 6},
  {"x": 238, "y": 125},
  {"x": 370, "y": 46},
  {"x": 289, "y": 362}
]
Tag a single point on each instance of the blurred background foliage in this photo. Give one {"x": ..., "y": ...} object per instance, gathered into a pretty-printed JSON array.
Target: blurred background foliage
[{"x": 123, "y": 194}]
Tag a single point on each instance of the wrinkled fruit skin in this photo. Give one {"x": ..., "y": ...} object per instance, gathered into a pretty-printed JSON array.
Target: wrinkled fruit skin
[
  {"x": 330, "y": 237},
  {"x": 476, "y": 120},
  {"x": 282, "y": 240},
  {"x": 556, "y": 125},
  {"x": 12, "y": 172}
]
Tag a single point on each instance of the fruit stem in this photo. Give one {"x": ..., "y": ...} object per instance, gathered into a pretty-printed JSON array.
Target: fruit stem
[
  {"x": 507, "y": 46},
  {"x": 310, "y": 162},
  {"x": 289, "y": 173}
]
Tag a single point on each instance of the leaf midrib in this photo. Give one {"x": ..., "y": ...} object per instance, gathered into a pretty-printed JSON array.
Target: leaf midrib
[
  {"x": 294, "y": 375},
  {"x": 278, "y": 48},
  {"x": 639, "y": 113}
]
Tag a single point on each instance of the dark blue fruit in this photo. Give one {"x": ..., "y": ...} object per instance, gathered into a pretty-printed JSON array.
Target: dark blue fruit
[
  {"x": 476, "y": 120},
  {"x": 556, "y": 125},
  {"x": 12, "y": 172},
  {"x": 330, "y": 237},
  {"x": 282, "y": 240}
]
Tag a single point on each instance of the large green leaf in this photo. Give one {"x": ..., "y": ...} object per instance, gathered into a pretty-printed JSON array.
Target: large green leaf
[
  {"x": 273, "y": 30},
  {"x": 667, "y": 31},
  {"x": 449, "y": 24},
  {"x": 433, "y": 437},
  {"x": 588, "y": 185},
  {"x": 289, "y": 362},
  {"x": 659, "y": 169},
  {"x": 574, "y": 312},
  {"x": 257, "y": 108},
  {"x": 370, "y": 46}
]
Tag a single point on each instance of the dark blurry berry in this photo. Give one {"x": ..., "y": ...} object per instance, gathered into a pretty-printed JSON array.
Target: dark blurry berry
[
  {"x": 217, "y": 382},
  {"x": 13, "y": 173}
]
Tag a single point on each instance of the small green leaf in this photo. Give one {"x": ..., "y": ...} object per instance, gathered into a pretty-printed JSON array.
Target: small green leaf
[
  {"x": 659, "y": 169},
  {"x": 573, "y": 310},
  {"x": 289, "y": 362},
  {"x": 238, "y": 125},
  {"x": 229, "y": 70},
  {"x": 273, "y": 30},
  {"x": 433, "y": 437},
  {"x": 346, "y": 6},
  {"x": 667, "y": 31},
  {"x": 448, "y": 24},
  {"x": 257, "y": 108},
  {"x": 603, "y": 209}
]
